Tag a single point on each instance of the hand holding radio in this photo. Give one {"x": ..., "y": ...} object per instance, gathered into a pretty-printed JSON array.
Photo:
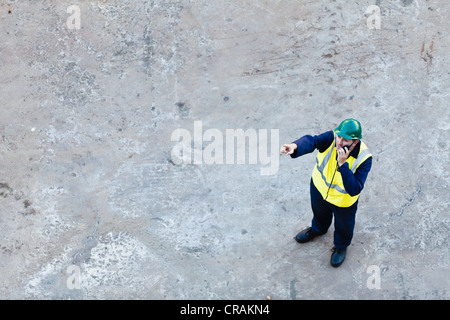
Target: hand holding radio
[{"x": 344, "y": 152}]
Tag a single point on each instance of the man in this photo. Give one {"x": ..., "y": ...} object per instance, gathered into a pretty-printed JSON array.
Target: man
[{"x": 342, "y": 166}]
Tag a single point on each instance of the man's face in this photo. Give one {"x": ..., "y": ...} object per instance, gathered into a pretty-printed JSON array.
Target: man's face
[{"x": 341, "y": 142}]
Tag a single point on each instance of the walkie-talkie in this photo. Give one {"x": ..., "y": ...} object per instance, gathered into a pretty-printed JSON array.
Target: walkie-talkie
[{"x": 346, "y": 148}]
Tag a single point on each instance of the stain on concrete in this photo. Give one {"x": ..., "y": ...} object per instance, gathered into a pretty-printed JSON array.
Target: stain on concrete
[{"x": 407, "y": 2}]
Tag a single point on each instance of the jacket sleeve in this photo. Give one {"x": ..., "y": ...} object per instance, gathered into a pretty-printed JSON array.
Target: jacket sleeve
[
  {"x": 354, "y": 183},
  {"x": 308, "y": 143}
]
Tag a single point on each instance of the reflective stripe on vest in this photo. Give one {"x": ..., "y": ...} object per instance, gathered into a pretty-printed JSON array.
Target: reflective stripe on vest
[{"x": 328, "y": 180}]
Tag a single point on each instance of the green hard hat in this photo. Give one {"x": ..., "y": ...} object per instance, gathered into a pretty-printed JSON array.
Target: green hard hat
[{"x": 349, "y": 129}]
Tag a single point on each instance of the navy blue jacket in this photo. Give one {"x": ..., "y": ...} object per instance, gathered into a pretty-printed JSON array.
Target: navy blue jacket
[{"x": 353, "y": 183}]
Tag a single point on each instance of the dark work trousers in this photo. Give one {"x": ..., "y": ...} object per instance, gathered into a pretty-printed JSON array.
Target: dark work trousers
[{"x": 344, "y": 218}]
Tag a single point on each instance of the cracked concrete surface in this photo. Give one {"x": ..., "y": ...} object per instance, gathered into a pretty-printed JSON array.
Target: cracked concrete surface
[{"x": 87, "y": 178}]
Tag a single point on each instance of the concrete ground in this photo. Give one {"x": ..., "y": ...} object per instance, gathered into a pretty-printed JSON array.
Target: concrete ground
[{"x": 97, "y": 202}]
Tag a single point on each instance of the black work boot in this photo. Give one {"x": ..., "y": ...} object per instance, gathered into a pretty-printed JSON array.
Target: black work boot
[
  {"x": 338, "y": 256},
  {"x": 307, "y": 235}
]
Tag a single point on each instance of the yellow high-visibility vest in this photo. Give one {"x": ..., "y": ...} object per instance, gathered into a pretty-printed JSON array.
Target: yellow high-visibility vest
[{"x": 328, "y": 180}]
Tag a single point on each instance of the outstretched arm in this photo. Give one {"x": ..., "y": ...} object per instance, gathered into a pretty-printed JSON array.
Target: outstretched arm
[{"x": 308, "y": 144}]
